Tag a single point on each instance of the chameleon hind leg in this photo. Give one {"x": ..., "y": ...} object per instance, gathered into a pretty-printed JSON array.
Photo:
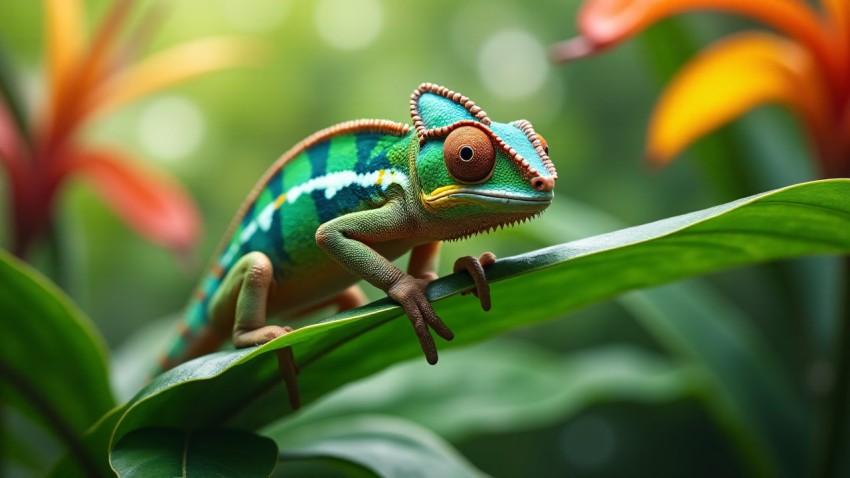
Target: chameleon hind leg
[
  {"x": 347, "y": 299},
  {"x": 242, "y": 299}
]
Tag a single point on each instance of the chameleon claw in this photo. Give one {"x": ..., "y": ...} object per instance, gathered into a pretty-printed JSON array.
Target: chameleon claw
[
  {"x": 286, "y": 364},
  {"x": 410, "y": 293},
  {"x": 475, "y": 268},
  {"x": 289, "y": 371}
]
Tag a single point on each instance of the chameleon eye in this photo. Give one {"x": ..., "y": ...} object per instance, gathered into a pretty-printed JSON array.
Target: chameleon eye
[
  {"x": 544, "y": 143},
  {"x": 469, "y": 154}
]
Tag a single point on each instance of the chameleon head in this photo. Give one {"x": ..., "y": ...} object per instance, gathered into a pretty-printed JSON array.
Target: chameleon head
[{"x": 468, "y": 165}]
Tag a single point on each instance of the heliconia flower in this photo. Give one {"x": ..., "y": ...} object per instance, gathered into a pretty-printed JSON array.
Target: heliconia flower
[
  {"x": 88, "y": 77},
  {"x": 805, "y": 67}
]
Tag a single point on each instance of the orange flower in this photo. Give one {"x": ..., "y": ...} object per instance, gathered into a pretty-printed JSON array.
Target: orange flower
[
  {"x": 88, "y": 78},
  {"x": 807, "y": 69}
]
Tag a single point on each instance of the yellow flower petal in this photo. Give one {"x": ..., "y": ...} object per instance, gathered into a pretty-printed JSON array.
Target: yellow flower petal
[
  {"x": 172, "y": 66},
  {"x": 730, "y": 78},
  {"x": 94, "y": 60},
  {"x": 65, "y": 39}
]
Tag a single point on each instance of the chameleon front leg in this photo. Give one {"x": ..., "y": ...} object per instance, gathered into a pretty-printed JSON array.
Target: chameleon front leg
[
  {"x": 475, "y": 267},
  {"x": 346, "y": 240},
  {"x": 423, "y": 264},
  {"x": 423, "y": 261}
]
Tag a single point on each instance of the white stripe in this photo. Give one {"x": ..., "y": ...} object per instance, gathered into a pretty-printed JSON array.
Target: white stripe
[{"x": 331, "y": 183}]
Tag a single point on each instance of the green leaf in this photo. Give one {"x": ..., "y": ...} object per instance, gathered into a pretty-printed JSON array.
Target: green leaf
[
  {"x": 502, "y": 386},
  {"x": 745, "y": 388},
  {"x": 52, "y": 362},
  {"x": 389, "y": 446},
  {"x": 201, "y": 453},
  {"x": 811, "y": 218}
]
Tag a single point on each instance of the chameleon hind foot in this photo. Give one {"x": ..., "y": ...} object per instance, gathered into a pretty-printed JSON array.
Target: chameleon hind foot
[
  {"x": 285, "y": 358},
  {"x": 475, "y": 268},
  {"x": 289, "y": 371}
]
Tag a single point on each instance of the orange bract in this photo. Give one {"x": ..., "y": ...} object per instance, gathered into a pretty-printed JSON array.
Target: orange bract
[
  {"x": 727, "y": 80},
  {"x": 809, "y": 71},
  {"x": 90, "y": 75}
]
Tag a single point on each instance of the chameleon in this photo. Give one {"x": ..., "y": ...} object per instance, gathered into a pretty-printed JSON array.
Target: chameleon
[{"x": 342, "y": 204}]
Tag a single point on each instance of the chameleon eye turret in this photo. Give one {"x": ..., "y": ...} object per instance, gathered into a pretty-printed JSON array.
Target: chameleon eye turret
[{"x": 469, "y": 155}]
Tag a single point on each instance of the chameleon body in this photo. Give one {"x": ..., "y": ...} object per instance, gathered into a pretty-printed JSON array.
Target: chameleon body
[{"x": 343, "y": 203}]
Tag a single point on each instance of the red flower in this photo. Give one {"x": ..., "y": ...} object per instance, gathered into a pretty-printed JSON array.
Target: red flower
[{"x": 86, "y": 79}]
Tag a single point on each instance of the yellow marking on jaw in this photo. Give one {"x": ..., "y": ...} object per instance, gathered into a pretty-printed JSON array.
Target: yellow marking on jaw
[
  {"x": 279, "y": 201},
  {"x": 441, "y": 192},
  {"x": 380, "y": 177},
  {"x": 437, "y": 198}
]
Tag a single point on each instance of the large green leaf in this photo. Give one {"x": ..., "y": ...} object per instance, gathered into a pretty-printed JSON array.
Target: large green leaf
[
  {"x": 200, "y": 453},
  {"x": 52, "y": 362},
  {"x": 495, "y": 387},
  {"x": 811, "y": 218},
  {"x": 503, "y": 386},
  {"x": 750, "y": 395},
  {"x": 746, "y": 389},
  {"x": 391, "y": 447}
]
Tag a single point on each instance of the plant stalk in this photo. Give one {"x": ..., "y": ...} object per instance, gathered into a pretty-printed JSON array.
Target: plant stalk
[{"x": 837, "y": 426}]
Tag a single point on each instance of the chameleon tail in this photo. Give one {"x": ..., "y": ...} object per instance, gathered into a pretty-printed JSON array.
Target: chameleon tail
[{"x": 194, "y": 336}]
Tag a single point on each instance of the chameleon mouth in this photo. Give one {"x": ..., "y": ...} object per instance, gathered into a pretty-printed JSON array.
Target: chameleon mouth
[{"x": 452, "y": 195}]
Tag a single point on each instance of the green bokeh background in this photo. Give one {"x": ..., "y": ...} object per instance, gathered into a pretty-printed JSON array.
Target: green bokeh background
[{"x": 593, "y": 114}]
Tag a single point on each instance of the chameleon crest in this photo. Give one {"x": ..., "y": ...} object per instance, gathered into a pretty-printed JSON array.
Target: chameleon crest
[{"x": 342, "y": 204}]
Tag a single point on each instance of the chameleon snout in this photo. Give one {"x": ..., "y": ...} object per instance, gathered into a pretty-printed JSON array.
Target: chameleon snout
[{"x": 542, "y": 183}]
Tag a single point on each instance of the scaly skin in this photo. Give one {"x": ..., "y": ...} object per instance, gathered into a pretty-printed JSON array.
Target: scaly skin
[{"x": 342, "y": 204}]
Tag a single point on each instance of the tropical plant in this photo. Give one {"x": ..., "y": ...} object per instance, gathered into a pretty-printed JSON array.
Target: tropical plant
[
  {"x": 89, "y": 76},
  {"x": 181, "y": 422},
  {"x": 73, "y": 408},
  {"x": 807, "y": 69}
]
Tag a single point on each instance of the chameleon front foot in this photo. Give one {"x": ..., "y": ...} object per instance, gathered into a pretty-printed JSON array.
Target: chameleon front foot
[
  {"x": 410, "y": 293},
  {"x": 475, "y": 267}
]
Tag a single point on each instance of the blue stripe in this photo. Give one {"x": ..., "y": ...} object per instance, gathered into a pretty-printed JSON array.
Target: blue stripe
[
  {"x": 318, "y": 157},
  {"x": 366, "y": 143}
]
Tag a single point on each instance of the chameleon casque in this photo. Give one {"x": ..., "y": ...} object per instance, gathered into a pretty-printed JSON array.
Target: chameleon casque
[{"x": 343, "y": 203}]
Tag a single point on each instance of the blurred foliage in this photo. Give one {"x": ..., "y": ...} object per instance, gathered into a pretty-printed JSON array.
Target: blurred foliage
[{"x": 219, "y": 134}]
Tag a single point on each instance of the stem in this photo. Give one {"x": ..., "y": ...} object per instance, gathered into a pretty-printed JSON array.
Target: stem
[
  {"x": 10, "y": 95},
  {"x": 837, "y": 412},
  {"x": 56, "y": 255}
]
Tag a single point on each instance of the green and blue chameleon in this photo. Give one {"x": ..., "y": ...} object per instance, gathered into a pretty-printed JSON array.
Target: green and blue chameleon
[{"x": 342, "y": 204}]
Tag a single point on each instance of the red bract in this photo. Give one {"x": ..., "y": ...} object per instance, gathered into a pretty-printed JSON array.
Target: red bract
[
  {"x": 86, "y": 79},
  {"x": 807, "y": 69}
]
